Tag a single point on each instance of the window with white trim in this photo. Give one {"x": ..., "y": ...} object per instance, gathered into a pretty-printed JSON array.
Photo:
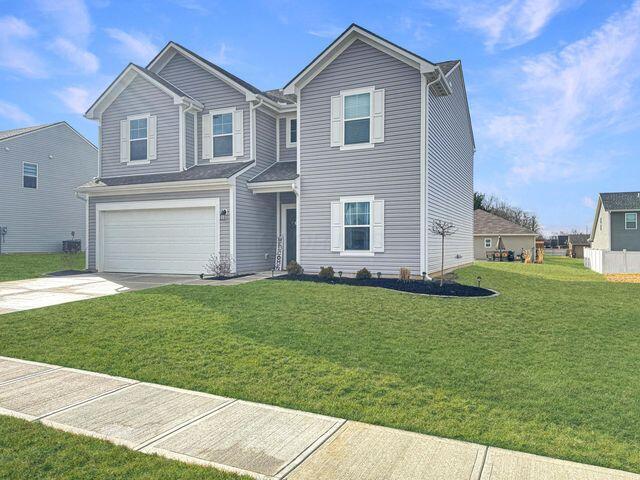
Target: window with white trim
[
  {"x": 292, "y": 132},
  {"x": 357, "y": 226},
  {"x": 630, "y": 221},
  {"x": 29, "y": 175},
  {"x": 138, "y": 139},
  {"x": 487, "y": 243},
  {"x": 357, "y": 118},
  {"x": 222, "y": 134}
]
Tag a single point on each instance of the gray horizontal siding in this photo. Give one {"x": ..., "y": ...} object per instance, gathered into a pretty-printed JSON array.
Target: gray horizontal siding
[
  {"x": 450, "y": 176},
  {"x": 286, "y": 154},
  {"x": 140, "y": 97},
  {"x": 622, "y": 239},
  {"x": 212, "y": 92},
  {"x": 223, "y": 195},
  {"x": 190, "y": 159},
  {"x": 390, "y": 171},
  {"x": 38, "y": 220}
]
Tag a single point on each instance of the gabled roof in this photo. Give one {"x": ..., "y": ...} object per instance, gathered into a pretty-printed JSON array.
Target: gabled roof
[
  {"x": 620, "y": 201},
  {"x": 447, "y": 66},
  {"x": 277, "y": 172},
  {"x": 579, "y": 238},
  {"x": 485, "y": 223},
  {"x": 17, "y": 132},
  {"x": 130, "y": 72},
  {"x": 352, "y": 33}
]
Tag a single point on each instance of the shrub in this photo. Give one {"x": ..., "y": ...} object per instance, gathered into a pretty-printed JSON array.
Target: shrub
[
  {"x": 327, "y": 273},
  {"x": 363, "y": 274},
  {"x": 218, "y": 265},
  {"x": 405, "y": 274},
  {"x": 294, "y": 268}
]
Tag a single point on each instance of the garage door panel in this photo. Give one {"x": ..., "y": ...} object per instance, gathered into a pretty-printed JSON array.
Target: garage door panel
[{"x": 159, "y": 240}]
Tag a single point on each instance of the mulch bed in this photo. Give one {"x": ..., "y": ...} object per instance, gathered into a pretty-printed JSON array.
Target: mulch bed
[
  {"x": 229, "y": 277},
  {"x": 449, "y": 289},
  {"x": 65, "y": 273}
]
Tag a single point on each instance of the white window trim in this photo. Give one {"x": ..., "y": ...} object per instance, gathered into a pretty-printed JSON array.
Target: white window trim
[
  {"x": 356, "y": 91},
  {"x": 37, "y": 175},
  {"x": 636, "y": 220},
  {"x": 144, "y": 161},
  {"x": 357, "y": 253},
  {"x": 222, "y": 111},
  {"x": 288, "y": 142},
  {"x": 485, "y": 243}
]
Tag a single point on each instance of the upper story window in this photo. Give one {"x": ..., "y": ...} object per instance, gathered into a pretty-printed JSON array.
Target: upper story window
[
  {"x": 222, "y": 135},
  {"x": 357, "y": 226},
  {"x": 30, "y": 175},
  {"x": 357, "y": 118},
  {"x": 292, "y": 132},
  {"x": 138, "y": 139},
  {"x": 630, "y": 221}
]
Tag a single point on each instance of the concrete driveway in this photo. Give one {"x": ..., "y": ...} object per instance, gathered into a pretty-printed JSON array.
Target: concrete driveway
[{"x": 43, "y": 292}]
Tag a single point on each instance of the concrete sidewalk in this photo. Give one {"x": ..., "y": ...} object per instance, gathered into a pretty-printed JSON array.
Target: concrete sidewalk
[{"x": 262, "y": 441}]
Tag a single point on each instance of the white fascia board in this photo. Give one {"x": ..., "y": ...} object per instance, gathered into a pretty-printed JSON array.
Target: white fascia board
[
  {"x": 595, "y": 219},
  {"x": 188, "y": 185},
  {"x": 272, "y": 187},
  {"x": 344, "y": 41}
]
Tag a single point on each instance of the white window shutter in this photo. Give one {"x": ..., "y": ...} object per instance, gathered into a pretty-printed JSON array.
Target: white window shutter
[
  {"x": 337, "y": 244},
  {"x": 377, "y": 135},
  {"x": 336, "y": 121},
  {"x": 124, "y": 141},
  {"x": 377, "y": 225},
  {"x": 152, "y": 137},
  {"x": 207, "y": 132},
  {"x": 238, "y": 133}
]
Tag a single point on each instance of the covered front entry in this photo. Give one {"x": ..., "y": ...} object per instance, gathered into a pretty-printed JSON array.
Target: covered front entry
[{"x": 176, "y": 236}]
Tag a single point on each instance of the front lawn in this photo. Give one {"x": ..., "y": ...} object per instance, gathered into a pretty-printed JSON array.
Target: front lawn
[
  {"x": 550, "y": 366},
  {"x": 18, "y": 266}
]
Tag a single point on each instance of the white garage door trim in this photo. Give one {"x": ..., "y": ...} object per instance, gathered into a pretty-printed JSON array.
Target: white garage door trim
[{"x": 153, "y": 205}]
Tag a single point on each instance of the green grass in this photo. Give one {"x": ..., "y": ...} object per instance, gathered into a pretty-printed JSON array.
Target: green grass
[
  {"x": 32, "y": 451},
  {"x": 18, "y": 266},
  {"x": 550, "y": 366}
]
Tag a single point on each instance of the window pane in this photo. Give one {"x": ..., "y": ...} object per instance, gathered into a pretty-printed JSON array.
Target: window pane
[
  {"x": 138, "y": 128},
  {"x": 294, "y": 131},
  {"x": 356, "y": 106},
  {"x": 223, "y": 146},
  {"x": 222, "y": 124},
  {"x": 29, "y": 182},
  {"x": 631, "y": 220},
  {"x": 356, "y": 238},
  {"x": 30, "y": 169},
  {"x": 356, "y": 131},
  {"x": 138, "y": 149},
  {"x": 356, "y": 213}
]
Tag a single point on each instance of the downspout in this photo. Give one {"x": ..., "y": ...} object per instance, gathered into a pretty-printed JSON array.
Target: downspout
[
  {"x": 425, "y": 184},
  {"x": 195, "y": 133},
  {"x": 252, "y": 114}
]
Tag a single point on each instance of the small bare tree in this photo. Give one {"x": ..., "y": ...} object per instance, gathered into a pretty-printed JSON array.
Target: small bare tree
[
  {"x": 219, "y": 265},
  {"x": 443, "y": 229}
]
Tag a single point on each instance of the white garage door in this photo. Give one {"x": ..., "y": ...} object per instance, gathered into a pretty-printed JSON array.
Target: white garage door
[{"x": 158, "y": 240}]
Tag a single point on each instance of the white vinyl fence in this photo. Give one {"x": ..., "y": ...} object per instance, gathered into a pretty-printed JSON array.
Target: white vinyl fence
[{"x": 604, "y": 261}]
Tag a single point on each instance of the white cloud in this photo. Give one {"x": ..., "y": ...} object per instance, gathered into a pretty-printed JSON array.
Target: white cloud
[
  {"x": 505, "y": 24},
  {"x": 558, "y": 100},
  {"x": 76, "y": 99},
  {"x": 83, "y": 59},
  {"x": 15, "y": 53},
  {"x": 589, "y": 202},
  {"x": 71, "y": 17},
  {"x": 221, "y": 57},
  {"x": 417, "y": 28},
  {"x": 326, "y": 32},
  {"x": 15, "y": 114},
  {"x": 193, "y": 5},
  {"x": 136, "y": 47}
]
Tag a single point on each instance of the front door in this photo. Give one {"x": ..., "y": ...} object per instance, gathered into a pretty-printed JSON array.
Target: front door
[{"x": 290, "y": 232}]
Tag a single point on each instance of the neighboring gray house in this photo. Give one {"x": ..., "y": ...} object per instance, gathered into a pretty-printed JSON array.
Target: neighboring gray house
[
  {"x": 347, "y": 165},
  {"x": 491, "y": 233},
  {"x": 615, "y": 236},
  {"x": 40, "y": 168}
]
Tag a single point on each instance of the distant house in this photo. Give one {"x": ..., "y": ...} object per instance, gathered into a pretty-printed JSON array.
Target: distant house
[
  {"x": 576, "y": 244},
  {"x": 491, "y": 233},
  {"x": 615, "y": 236},
  {"x": 40, "y": 167}
]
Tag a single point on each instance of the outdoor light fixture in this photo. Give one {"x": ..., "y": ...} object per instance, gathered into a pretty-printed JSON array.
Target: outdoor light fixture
[
  {"x": 424, "y": 276},
  {"x": 223, "y": 214},
  {"x": 478, "y": 278},
  {"x": 273, "y": 272},
  {"x": 379, "y": 274},
  {"x": 340, "y": 274}
]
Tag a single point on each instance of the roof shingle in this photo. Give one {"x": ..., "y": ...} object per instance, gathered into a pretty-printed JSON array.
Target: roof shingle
[
  {"x": 620, "y": 201},
  {"x": 276, "y": 172},
  {"x": 19, "y": 131},
  {"x": 485, "y": 223}
]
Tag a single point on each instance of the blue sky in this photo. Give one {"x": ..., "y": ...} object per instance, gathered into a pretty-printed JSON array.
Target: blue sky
[{"x": 553, "y": 85}]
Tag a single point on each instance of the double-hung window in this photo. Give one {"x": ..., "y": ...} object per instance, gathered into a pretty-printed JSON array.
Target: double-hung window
[
  {"x": 138, "y": 139},
  {"x": 487, "y": 243},
  {"x": 222, "y": 135},
  {"x": 631, "y": 221},
  {"x": 357, "y": 118},
  {"x": 357, "y": 226},
  {"x": 292, "y": 132},
  {"x": 30, "y": 175}
]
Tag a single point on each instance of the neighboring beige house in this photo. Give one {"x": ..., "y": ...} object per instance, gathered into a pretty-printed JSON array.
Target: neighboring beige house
[
  {"x": 577, "y": 243},
  {"x": 489, "y": 231}
]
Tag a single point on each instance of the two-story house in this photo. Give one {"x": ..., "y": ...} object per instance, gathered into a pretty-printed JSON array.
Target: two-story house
[
  {"x": 347, "y": 165},
  {"x": 40, "y": 168}
]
